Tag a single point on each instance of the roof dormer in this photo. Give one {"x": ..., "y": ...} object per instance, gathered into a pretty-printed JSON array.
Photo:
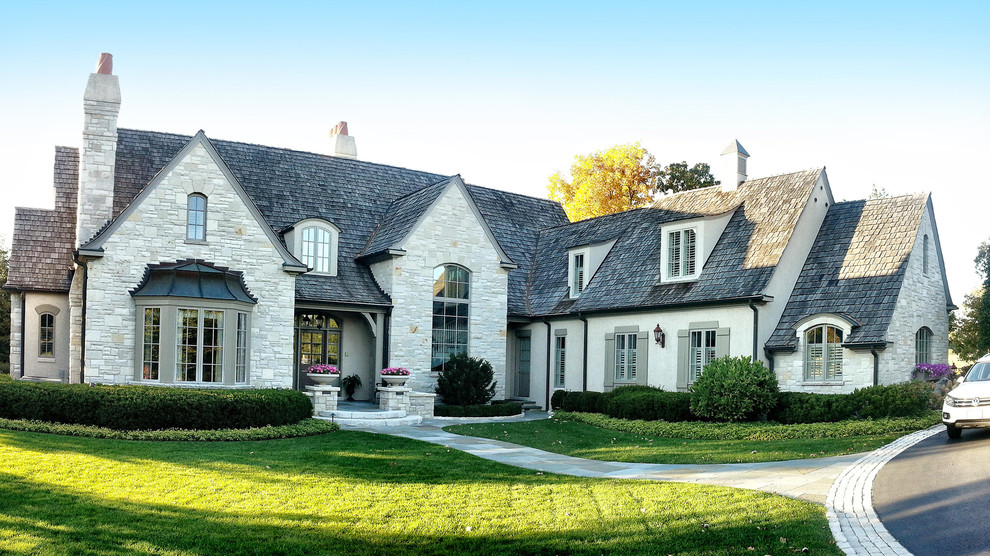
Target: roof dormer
[
  {"x": 686, "y": 245},
  {"x": 582, "y": 263}
]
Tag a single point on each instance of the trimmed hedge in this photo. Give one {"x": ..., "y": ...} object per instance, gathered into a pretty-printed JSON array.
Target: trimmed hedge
[
  {"x": 478, "y": 410},
  {"x": 557, "y": 399},
  {"x": 906, "y": 399},
  {"x": 306, "y": 427},
  {"x": 648, "y": 404},
  {"x": 756, "y": 431},
  {"x": 151, "y": 408},
  {"x": 804, "y": 407},
  {"x": 585, "y": 402}
]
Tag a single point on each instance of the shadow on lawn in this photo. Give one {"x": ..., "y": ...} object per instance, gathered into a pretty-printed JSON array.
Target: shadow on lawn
[{"x": 35, "y": 519}]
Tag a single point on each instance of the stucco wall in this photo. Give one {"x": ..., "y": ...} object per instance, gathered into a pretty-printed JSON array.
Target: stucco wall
[
  {"x": 448, "y": 234},
  {"x": 921, "y": 302},
  {"x": 54, "y": 368},
  {"x": 155, "y": 232}
]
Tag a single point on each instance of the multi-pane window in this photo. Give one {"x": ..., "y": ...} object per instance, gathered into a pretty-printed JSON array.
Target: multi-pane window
[
  {"x": 823, "y": 353},
  {"x": 681, "y": 253},
  {"x": 317, "y": 339},
  {"x": 199, "y": 346},
  {"x": 240, "y": 361},
  {"x": 625, "y": 357},
  {"x": 560, "y": 353},
  {"x": 46, "y": 335},
  {"x": 196, "y": 217},
  {"x": 923, "y": 346},
  {"x": 702, "y": 351},
  {"x": 317, "y": 244},
  {"x": 451, "y": 296},
  {"x": 577, "y": 274},
  {"x": 151, "y": 359}
]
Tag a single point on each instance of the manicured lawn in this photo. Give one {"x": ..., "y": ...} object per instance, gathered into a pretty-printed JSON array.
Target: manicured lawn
[
  {"x": 358, "y": 493},
  {"x": 572, "y": 438}
]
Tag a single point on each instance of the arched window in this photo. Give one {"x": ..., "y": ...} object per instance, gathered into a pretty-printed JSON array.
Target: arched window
[
  {"x": 923, "y": 346},
  {"x": 196, "y": 217},
  {"x": 823, "y": 353},
  {"x": 451, "y": 303},
  {"x": 317, "y": 244},
  {"x": 46, "y": 335}
]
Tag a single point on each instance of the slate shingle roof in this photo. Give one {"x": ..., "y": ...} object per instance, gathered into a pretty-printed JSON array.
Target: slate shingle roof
[
  {"x": 41, "y": 248},
  {"x": 764, "y": 214},
  {"x": 403, "y": 213},
  {"x": 288, "y": 186},
  {"x": 855, "y": 268}
]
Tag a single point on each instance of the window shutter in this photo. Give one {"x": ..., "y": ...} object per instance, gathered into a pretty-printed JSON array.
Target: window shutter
[
  {"x": 721, "y": 343},
  {"x": 642, "y": 353},
  {"x": 689, "y": 252},
  {"x": 683, "y": 358},
  {"x": 609, "y": 361}
]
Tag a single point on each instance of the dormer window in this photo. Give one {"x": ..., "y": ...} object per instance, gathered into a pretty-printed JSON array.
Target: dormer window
[
  {"x": 681, "y": 253},
  {"x": 577, "y": 274},
  {"x": 196, "y": 217},
  {"x": 314, "y": 242}
]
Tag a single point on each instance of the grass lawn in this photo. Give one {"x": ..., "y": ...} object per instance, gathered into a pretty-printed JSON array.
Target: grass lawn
[
  {"x": 572, "y": 438},
  {"x": 358, "y": 493}
]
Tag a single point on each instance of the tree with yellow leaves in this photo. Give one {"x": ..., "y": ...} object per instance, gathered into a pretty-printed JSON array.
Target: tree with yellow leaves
[{"x": 620, "y": 178}]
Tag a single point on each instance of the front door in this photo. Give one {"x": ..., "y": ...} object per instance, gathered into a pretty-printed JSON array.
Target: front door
[
  {"x": 317, "y": 342},
  {"x": 524, "y": 356}
]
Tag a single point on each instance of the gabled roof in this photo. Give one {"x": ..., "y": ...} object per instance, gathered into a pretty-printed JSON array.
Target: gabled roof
[
  {"x": 855, "y": 268},
  {"x": 41, "y": 248},
  {"x": 764, "y": 214},
  {"x": 289, "y": 186}
]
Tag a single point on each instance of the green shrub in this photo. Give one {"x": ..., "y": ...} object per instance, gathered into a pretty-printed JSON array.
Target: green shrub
[
  {"x": 557, "y": 399},
  {"x": 585, "y": 402},
  {"x": 755, "y": 431},
  {"x": 493, "y": 410},
  {"x": 466, "y": 380},
  {"x": 804, "y": 407},
  {"x": 306, "y": 427},
  {"x": 906, "y": 399},
  {"x": 648, "y": 404},
  {"x": 151, "y": 408},
  {"x": 734, "y": 389},
  {"x": 5, "y": 368}
]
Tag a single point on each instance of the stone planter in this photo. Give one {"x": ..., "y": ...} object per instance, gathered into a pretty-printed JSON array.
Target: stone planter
[
  {"x": 395, "y": 380},
  {"x": 324, "y": 380}
]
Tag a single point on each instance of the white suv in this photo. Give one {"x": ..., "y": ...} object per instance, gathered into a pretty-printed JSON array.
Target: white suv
[{"x": 968, "y": 406}]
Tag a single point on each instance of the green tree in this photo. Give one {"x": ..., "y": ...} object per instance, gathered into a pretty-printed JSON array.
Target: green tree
[
  {"x": 4, "y": 311},
  {"x": 971, "y": 337},
  {"x": 620, "y": 178}
]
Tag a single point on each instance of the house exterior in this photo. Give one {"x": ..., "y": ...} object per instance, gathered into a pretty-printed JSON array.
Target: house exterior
[{"x": 184, "y": 261}]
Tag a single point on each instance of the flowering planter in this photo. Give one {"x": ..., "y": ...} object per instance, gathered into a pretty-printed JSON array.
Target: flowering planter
[
  {"x": 395, "y": 380},
  {"x": 325, "y": 379}
]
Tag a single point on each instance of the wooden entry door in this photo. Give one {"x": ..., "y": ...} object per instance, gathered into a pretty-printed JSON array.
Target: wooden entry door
[{"x": 317, "y": 341}]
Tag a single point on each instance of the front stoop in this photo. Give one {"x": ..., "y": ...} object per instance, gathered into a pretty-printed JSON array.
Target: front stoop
[
  {"x": 364, "y": 419},
  {"x": 526, "y": 404}
]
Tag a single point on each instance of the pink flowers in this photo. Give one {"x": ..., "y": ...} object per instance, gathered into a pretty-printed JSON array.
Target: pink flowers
[
  {"x": 323, "y": 369},
  {"x": 395, "y": 371}
]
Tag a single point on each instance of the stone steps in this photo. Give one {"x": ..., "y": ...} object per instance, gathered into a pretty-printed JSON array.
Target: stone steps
[
  {"x": 526, "y": 404},
  {"x": 361, "y": 419}
]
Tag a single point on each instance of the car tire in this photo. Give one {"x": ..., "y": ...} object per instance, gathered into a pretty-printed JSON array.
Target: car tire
[{"x": 953, "y": 432}]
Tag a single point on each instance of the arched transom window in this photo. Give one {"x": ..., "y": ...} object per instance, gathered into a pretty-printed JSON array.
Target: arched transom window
[
  {"x": 314, "y": 241},
  {"x": 196, "y": 217},
  {"x": 823, "y": 353},
  {"x": 451, "y": 303}
]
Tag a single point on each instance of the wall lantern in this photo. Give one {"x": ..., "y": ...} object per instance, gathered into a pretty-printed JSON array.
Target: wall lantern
[{"x": 659, "y": 336}]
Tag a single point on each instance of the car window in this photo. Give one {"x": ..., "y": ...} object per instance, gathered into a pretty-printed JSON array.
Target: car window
[{"x": 979, "y": 372}]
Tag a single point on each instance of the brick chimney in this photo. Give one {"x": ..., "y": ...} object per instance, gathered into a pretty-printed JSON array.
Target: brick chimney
[
  {"x": 343, "y": 144},
  {"x": 101, "y": 104},
  {"x": 733, "y": 166}
]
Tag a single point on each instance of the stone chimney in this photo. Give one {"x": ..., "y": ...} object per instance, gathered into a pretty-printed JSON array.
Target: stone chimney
[
  {"x": 733, "y": 166},
  {"x": 343, "y": 144},
  {"x": 101, "y": 104}
]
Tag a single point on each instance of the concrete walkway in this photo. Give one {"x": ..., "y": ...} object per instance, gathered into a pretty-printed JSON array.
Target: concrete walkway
[{"x": 843, "y": 484}]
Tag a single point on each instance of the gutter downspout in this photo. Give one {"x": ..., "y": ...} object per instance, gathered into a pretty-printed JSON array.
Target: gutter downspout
[
  {"x": 546, "y": 322},
  {"x": 584, "y": 355},
  {"x": 756, "y": 329},
  {"x": 876, "y": 365},
  {"x": 82, "y": 334},
  {"x": 23, "y": 329}
]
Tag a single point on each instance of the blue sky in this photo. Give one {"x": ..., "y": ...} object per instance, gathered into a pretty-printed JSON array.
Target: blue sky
[{"x": 892, "y": 94}]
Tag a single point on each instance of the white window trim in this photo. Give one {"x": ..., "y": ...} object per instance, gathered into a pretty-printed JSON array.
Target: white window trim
[
  {"x": 571, "y": 268},
  {"x": 802, "y": 327},
  {"x": 296, "y": 242},
  {"x": 699, "y": 243}
]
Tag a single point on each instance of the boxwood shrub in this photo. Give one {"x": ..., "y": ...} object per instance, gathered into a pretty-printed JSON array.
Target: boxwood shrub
[
  {"x": 585, "y": 402},
  {"x": 557, "y": 399},
  {"x": 905, "y": 399},
  {"x": 805, "y": 407},
  {"x": 647, "y": 403},
  {"x": 151, "y": 408},
  {"x": 478, "y": 410}
]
